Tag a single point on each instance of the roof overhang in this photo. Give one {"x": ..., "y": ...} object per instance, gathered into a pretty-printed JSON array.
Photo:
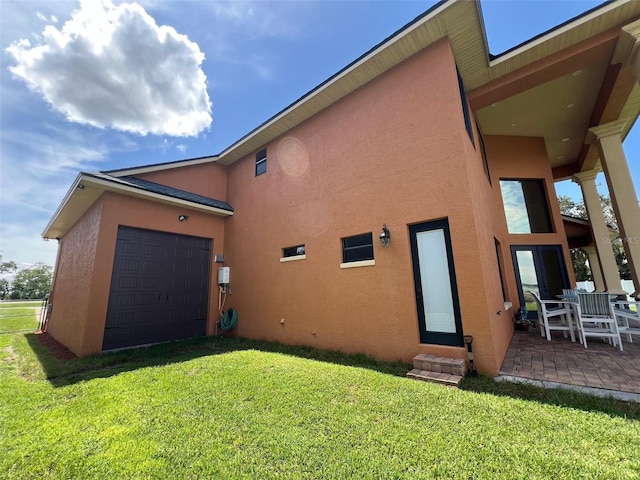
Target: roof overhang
[
  {"x": 532, "y": 84},
  {"x": 579, "y": 233},
  {"x": 523, "y": 92},
  {"x": 561, "y": 83},
  {"x": 161, "y": 166},
  {"x": 86, "y": 189}
]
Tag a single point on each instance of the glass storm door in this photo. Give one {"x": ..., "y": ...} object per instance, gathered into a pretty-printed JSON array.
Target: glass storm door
[
  {"x": 539, "y": 269},
  {"x": 435, "y": 284}
]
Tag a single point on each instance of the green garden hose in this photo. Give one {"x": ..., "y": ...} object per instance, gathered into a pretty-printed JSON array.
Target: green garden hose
[{"x": 229, "y": 320}]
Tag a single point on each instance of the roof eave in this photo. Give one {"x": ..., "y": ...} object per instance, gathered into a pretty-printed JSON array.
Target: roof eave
[
  {"x": 139, "y": 170},
  {"x": 91, "y": 188}
]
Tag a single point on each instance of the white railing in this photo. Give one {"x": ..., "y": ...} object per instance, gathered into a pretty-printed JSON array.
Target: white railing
[{"x": 627, "y": 286}]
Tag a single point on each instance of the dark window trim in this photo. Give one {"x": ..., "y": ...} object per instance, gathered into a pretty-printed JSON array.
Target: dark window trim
[
  {"x": 429, "y": 337},
  {"x": 483, "y": 152},
  {"x": 261, "y": 159},
  {"x": 295, "y": 251},
  {"x": 465, "y": 109},
  {"x": 363, "y": 248},
  {"x": 545, "y": 192},
  {"x": 500, "y": 268}
]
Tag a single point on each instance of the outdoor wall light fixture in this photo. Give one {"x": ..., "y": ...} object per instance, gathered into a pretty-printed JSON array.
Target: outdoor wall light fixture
[
  {"x": 80, "y": 186},
  {"x": 183, "y": 218},
  {"x": 385, "y": 236},
  {"x": 468, "y": 340}
]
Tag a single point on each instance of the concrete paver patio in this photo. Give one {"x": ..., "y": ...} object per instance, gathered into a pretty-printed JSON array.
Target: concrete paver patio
[{"x": 600, "y": 366}]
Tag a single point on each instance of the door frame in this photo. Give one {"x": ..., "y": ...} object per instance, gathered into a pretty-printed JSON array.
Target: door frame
[
  {"x": 540, "y": 270},
  {"x": 427, "y": 336}
]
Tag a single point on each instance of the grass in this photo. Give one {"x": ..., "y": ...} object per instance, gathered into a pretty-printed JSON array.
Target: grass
[
  {"x": 234, "y": 408},
  {"x": 18, "y": 316}
]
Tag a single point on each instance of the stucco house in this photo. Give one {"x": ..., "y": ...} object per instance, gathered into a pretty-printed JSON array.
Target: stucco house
[{"x": 447, "y": 152}]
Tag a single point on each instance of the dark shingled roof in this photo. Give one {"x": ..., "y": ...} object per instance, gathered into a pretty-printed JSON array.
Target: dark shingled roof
[{"x": 162, "y": 190}]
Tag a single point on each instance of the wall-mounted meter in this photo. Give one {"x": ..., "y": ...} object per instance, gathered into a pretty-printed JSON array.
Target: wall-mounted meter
[{"x": 223, "y": 276}]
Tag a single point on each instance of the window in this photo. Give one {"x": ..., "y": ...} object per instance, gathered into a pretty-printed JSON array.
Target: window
[
  {"x": 293, "y": 253},
  {"x": 465, "y": 109},
  {"x": 499, "y": 257},
  {"x": 357, "y": 248},
  {"x": 525, "y": 206},
  {"x": 261, "y": 162},
  {"x": 483, "y": 151}
]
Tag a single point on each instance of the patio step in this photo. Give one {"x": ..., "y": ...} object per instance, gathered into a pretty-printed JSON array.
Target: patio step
[{"x": 443, "y": 370}]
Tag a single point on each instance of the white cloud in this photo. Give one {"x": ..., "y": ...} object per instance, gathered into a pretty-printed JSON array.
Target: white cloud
[
  {"x": 38, "y": 167},
  {"x": 113, "y": 66}
]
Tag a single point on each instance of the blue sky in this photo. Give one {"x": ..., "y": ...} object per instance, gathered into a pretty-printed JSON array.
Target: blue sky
[{"x": 69, "y": 102}]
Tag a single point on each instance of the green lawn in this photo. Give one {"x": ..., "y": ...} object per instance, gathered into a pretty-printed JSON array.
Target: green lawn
[
  {"x": 16, "y": 316},
  {"x": 233, "y": 408}
]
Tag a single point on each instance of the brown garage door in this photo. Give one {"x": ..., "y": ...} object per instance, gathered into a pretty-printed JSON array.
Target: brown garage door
[{"x": 159, "y": 288}]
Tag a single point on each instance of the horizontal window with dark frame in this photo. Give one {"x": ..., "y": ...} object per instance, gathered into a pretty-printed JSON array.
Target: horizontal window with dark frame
[
  {"x": 261, "y": 162},
  {"x": 293, "y": 251},
  {"x": 357, "y": 248}
]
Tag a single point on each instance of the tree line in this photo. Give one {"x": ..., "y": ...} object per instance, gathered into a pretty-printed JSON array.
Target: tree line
[
  {"x": 28, "y": 283},
  {"x": 578, "y": 257}
]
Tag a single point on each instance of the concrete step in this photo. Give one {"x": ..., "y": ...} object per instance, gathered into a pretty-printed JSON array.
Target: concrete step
[
  {"x": 433, "y": 363},
  {"x": 435, "y": 377}
]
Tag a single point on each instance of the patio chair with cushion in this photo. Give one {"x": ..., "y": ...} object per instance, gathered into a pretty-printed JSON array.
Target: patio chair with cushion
[
  {"x": 596, "y": 318},
  {"x": 628, "y": 316},
  {"x": 553, "y": 315}
]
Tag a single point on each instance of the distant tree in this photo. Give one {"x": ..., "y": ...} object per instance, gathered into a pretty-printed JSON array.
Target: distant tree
[
  {"x": 571, "y": 208},
  {"x": 5, "y": 285},
  {"x": 8, "y": 267},
  {"x": 580, "y": 267},
  {"x": 578, "y": 257},
  {"x": 32, "y": 283},
  {"x": 4, "y": 288}
]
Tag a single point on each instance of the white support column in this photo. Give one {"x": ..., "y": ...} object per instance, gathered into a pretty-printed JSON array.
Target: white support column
[
  {"x": 606, "y": 259},
  {"x": 594, "y": 266},
  {"x": 623, "y": 194}
]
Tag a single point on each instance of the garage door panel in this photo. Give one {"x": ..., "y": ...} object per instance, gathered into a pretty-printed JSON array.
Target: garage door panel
[
  {"x": 138, "y": 283},
  {"x": 159, "y": 288}
]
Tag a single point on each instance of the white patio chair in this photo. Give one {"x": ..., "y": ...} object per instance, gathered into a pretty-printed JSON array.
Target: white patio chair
[
  {"x": 553, "y": 315},
  {"x": 596, "y": 318},
  {"x": 628, "y": 316}
]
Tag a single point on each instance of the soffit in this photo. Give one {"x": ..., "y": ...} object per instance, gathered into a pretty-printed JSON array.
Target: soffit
[{"x": 566, "y": 102}]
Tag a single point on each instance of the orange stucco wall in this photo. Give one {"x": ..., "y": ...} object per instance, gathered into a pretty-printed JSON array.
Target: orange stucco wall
[
  {"x": 395, "y": 152},
  {"x": 74, "y": 273},
  {"x": 207, "y": 179},
  {"x": 523, "y": 158},
  {"x": 84, "y": 277},
  {"x": 493, "y": 333}
]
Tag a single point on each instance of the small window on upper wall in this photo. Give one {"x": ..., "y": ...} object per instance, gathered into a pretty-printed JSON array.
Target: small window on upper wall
[
  {"x": 296, "y": 251},
  {"x": 357, "y": 248},
  {"x": 525, "y": 206},
  {"x": 465, "y": 109},
  {"x": 261, "y": 162}
]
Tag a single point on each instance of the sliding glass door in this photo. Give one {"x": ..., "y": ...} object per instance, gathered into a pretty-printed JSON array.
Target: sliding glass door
[{"x": 540, "y": 269}]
